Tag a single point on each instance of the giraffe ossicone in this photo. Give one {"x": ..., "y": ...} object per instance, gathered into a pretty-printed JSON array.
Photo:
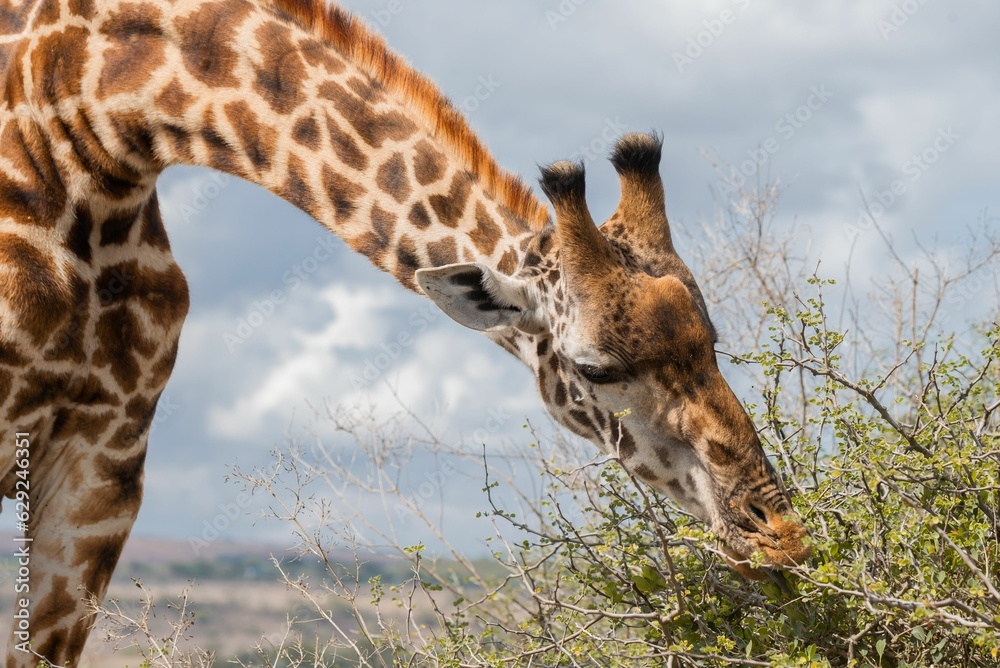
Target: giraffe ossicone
[{"x": 98, "y": 98}]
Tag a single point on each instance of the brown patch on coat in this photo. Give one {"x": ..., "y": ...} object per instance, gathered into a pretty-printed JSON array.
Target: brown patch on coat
[
  {"x": 154, "y": 233},
  {"x": 39, "y": 299},
  {"x": 305, "y": 132},
  {"x": 345, "y": 147},
  {"x": 57, "y": 62},
  {"x": 116, "y": 229},
  {"x": 206, "y": 35},
  {"x": 256, "y": 138},
  {"x": 429, "y": 164},
  {"x": 449, "y": 208},
  {"x": 486, "y": 233},
  {"x": 374, "y": 127},
  {"x": 374, "y": 243},
  {"x": 173, "y": 99},
  {"x": 70, "y": 425},
  {"x": 98, "y": 554},
  {"x": 296, "y": 190},
  {"x": 645, "y": 473},
  {"x": 48, "y": 13},
  {"x": 39, "y": 389},
  {"x": 442, "y": 252},
  {"x": 82, "y": 8},
  {"x": 318, "y": 54},
  {"x": 114, "y": 179},
  {"x": 220, "y": 153},
  {"x": 392, "y": 179},
  {"x": 419, "y": 217},
  {"x": 343, "y": 194},
  {"x": 280, "y": 75},
  {"x": 137, "y": 48},
  {"x": 78, "y": 239},
  {"x": 36, "y": 194},
  {"x": 13, "y": 17},
  {"x": 407, "y": 262},
  {"x": 121, "y": 492},
  {"x": 508, "y": 262}
]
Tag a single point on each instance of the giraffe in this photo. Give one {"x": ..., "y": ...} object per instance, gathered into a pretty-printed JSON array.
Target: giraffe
[{"x": 301, "y": 98}]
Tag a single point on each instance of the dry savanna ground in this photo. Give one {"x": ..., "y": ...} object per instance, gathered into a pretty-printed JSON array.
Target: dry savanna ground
[{"x": 235, "y": 593}]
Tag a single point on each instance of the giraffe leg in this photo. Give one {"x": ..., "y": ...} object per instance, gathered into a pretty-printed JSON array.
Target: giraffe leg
[{"x": 83, "y": 511}]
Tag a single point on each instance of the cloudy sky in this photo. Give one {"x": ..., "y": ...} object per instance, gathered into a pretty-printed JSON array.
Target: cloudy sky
[{"x": 841, "y": 96}]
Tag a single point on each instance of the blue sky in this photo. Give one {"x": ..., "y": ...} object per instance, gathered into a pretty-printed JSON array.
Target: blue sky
[{"x": 843, "y": 98}]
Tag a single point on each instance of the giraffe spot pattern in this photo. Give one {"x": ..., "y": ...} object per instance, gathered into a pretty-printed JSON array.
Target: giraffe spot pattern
[
  {"x": 57, "y": 64},
  {"x": 114, "y": 179},
  {"x": 135, "y": 134},
  {"x": 508, "y": 262},
  {"x": 71, "y": 425},
  {"x": 296, "y": 190},
  {"x": 442, "y": 252},
  {"x": 392, "y": 179},
  {"x": 78, "y": 239},
  {"x": 343, "y": 194},
  {"x": 419, "y": 217},
  {"x": 428, "y": 163},
  {"x": 115, "y": 230},
  {"x": 374, "y": 243},
  {"x": 449, "y": 208},
  {"x": 306, "y": 132},
  {"x": 205, "y": 36},
  {"x": 153, "y": 231},
  {"x": 137, "y": 49},
  {"x": 316, "y": 54},
  {"x": 369, "y": 90},
  {"x": 67, "y": 342},
  {"x": 486, "y": 233},
  {"x": 220, "y": 154},
  {"x": 82, "y": 8},
  {"x": 179, "y": 141},
  {"x": 13, "y": 17},
  {"x": 345, "y": 147},
  {"x": 122, "y": 491},
  {"x": 38, "y": 389},
  {"x": 407, "y": 261},
  {"x": 98, "y": 554},
  {"x": 48, "y": 13},
  {"x": 374, "y": 128},
  {"x": 280, "y": 76},
  {"x": 256, "y": 137},
  {"x": 646, "y": 473},
  {"x": 173, "y": 100},
  {"x": 52, "y": 609},
  {"x": 33, "y": 292},
  {"x": 36, "y": 195}
]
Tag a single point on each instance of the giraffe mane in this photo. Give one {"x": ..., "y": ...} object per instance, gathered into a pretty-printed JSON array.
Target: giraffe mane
[{"x": 366, "y": 49}]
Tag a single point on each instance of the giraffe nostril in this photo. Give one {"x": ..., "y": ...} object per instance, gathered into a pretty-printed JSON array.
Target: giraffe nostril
[{"x": 757, "y": 512}]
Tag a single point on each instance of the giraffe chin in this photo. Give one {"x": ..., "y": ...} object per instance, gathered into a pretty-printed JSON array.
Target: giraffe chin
[
  {"x": 741, "y": 564},
  {"x": 772, "y": 571}
]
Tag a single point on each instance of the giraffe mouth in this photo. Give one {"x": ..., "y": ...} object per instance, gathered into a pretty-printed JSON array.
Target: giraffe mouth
[{"x": 773, "y": 569}]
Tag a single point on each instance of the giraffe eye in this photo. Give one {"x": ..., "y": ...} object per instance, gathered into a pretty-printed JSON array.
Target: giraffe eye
[{"x": 596, "y": 374}]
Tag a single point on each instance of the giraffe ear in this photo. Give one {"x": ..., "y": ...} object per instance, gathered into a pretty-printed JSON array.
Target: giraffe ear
[{"x": 481, "y": 298}]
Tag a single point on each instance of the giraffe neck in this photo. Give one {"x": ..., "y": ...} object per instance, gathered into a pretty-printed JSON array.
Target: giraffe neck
[{"x": 246, "y": 89}]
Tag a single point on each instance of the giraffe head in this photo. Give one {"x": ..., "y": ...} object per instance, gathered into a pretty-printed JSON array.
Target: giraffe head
[{"x": 612, "y": 322}]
